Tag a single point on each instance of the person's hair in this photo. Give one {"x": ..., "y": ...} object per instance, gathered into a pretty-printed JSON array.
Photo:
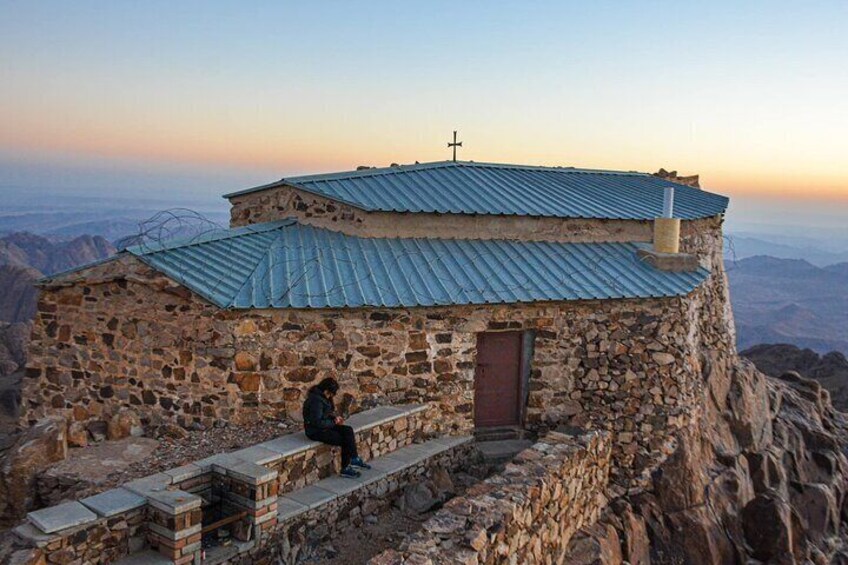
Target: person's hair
[{"x": 329, "y": 384}]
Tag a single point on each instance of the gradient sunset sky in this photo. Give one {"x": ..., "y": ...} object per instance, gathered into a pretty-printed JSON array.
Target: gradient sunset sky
[{"x": 751, "y": 95}]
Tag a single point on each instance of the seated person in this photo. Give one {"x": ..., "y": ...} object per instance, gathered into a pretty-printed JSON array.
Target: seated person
[{"x": 324, "y": 425}]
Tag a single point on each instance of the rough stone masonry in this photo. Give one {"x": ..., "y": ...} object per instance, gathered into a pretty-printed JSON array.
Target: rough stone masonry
[{"x": 121, "y": 335}]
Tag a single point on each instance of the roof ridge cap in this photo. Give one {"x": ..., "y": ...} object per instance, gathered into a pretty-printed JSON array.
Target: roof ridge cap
[
  {"x": 554, "y": 168},
  {"x": 371, "y": 171},
  {"x": 249, "y": 277}
]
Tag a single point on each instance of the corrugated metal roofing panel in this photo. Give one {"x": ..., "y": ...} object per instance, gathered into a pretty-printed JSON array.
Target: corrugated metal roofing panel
[
  {"x": 481, "y": 188},
  {"x": 290, "y": 265}
]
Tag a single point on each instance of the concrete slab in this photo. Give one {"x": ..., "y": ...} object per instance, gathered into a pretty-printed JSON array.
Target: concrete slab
[
  {"x": 376, "y": 416},
  {"x": 288, "y": 508},
  {"x": 219, "y": 459},
  {"x": 258, "y": 455},
  {"x": 245, "y": 471},
  {"x": 31, "y": 535},
  {"x": 381, "y": 467},
  {"x": 311, "y": 496},
  {"x": 453, "y": 441},
  {"x": 342, "y": 485},
  {"x": 504, "y": 450},
  {"x": 289, "y": 445},
  {"x": 220, "y": 554},
  {"x": 174, "y": 501},
  {"x": 151, "y": 483},
  {"x": 184, "y": 473},
  {"x": 415, "y": 453},
  {"x": 61, "y": 517},
  {"x": 115, "y": 501}
]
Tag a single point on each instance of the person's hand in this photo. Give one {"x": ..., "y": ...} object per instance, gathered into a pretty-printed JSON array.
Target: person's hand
[{"x": 339, "y": 420}]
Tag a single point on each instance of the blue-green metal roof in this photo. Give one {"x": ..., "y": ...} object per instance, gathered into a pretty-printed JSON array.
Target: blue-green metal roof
[
  {"x": 285, "y": 264},
  {"x": 482, "y": 188}
]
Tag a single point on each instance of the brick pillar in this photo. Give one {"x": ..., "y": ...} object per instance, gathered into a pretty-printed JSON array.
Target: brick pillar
[
  {"x": 174, "y": 525},
  {"x": 252, "y": 489}
]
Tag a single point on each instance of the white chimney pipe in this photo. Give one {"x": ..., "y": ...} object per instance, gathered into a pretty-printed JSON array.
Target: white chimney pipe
[
  {"x": 668, "y": 202},
  {"x": 667, "y": 227}
]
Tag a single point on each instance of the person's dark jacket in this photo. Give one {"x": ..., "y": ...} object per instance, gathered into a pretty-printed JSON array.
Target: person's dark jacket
[{"x": 319, "y": 412}]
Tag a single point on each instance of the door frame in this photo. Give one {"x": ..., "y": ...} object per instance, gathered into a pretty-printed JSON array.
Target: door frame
[{"x": 526, "y": 339}]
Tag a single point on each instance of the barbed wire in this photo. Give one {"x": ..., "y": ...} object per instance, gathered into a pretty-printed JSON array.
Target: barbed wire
[{"x": 169, "y": 225}]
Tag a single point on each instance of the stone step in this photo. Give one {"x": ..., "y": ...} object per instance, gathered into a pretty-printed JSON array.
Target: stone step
[
  {"x": 496, "y": 452},
  {"x": 499, "y": 433}
]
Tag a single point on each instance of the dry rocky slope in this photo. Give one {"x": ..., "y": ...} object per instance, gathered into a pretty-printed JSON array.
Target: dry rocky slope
[
  {"x": 830, "y": 369},
  {"x": 761, "y": 475},
  {"x": 13, "y": 343},
  {"x": 25, "y": 257}
]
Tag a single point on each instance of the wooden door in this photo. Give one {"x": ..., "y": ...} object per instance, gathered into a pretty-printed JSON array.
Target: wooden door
[{"x": 497, "y": 380}]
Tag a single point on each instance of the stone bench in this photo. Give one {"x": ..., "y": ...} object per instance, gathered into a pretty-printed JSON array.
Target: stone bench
[
  {"x": 299, "y": 461},
  {"x": 334, "y": 502},
  {"x": 165, "y": 510}
]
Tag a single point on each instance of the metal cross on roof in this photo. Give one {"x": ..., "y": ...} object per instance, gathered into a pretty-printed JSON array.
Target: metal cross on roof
[{"x": 454, "y": 145}]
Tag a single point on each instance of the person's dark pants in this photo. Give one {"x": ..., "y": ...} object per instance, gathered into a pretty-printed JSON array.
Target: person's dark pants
[{"x": 341, "y": 436}]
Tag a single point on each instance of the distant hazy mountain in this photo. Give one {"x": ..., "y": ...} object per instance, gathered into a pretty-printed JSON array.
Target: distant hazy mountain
[
  {"x": 25, "y": 257},
  {"x": 831, "y": 369},
  {"x": 790, "y": 301},
  {"x": 30, "y": 250},
  {"x": 741, "y": 247}
]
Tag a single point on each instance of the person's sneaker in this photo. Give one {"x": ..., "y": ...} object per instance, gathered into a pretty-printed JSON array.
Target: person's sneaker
[
  {"x": 358, "y": 462},
  {"x": 350, "y": 473}
]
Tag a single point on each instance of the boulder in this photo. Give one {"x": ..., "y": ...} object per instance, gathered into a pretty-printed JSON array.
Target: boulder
[
  {"x": 418, "y": 498},
  {"x": 98, "y": 430},
  {"x": 598, "y": 544},
  {"x": 41, "y": 445},
  {"x": 635, "y": 541},
  {"x": 170, "y": 431},
  {"x": 10, "y": 403},
  {"x": 442, "y": 482},
  {"x": 125, "y": 423},
  {"x": 817, "y": 509},
  {"x": 77, "y": 435},
  {"x": 767, "y": 522}
]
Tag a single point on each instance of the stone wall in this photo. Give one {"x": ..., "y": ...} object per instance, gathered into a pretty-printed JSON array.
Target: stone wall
[
  {"x": 289, "y": 539},
  {"x": 287, "y": 202},
  {"x": 527, "y": 514},
  {"x": 121, "y": 335},
  {"x": 104, "y": 541}
]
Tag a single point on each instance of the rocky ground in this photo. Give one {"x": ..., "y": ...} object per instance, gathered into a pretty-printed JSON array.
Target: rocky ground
[
  {"x": 188, "y": 446},
  {"x": 384, "y": 530},
  {"x": 762, "y": 478},
  {"x": 37, "y": 469},
  {"x": 830, "y": 369}
]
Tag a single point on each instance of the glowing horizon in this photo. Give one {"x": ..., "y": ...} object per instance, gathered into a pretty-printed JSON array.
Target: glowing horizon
[{"x": 748, "y": 98}]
